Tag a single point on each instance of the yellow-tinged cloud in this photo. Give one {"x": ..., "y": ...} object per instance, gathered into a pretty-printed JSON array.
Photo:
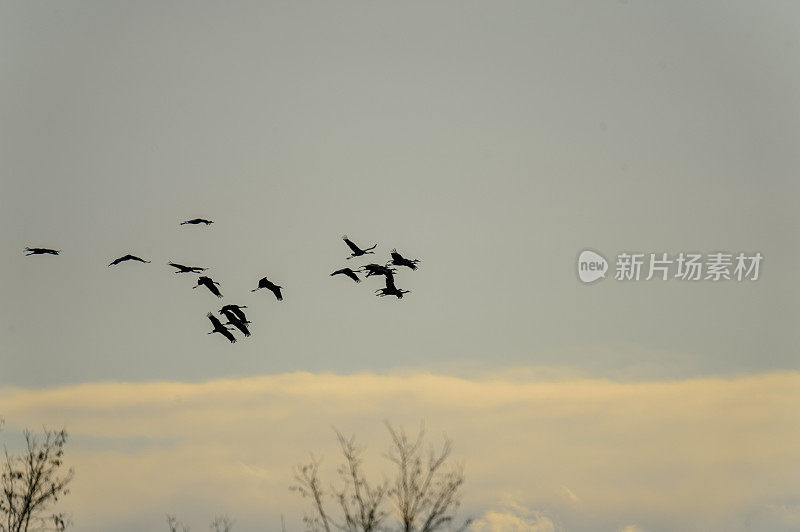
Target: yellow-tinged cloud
[
  {"x": 698, "y": 454},
  {"x": 514, "y": 517}
]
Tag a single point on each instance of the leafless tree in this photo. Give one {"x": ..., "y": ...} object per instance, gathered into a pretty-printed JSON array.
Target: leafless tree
[
  {"x": 175, "y": 525},
  {"x": 423, "y": 495},
  {"x": 359, "y": 502},
  {"x": 34, "y": 481},
  {"x": 222, "y": 523},
  {"x": 308, "y": 485},
  {"x": 425, "y": 491}
]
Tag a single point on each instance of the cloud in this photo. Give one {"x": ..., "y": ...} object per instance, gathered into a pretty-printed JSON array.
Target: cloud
[
  {"x": 703, "y": 454},
  {"x": 515, "y": 518}
]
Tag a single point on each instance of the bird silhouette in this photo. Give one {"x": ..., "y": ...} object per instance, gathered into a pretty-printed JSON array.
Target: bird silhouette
[
  {"x": 377, "y": 269},
  {"x": 196, "y": 221},
  {"x": 357, "y": 252},
  {"x": 208, "y": 283},
  {"x": 41, "y": 251},
  {"x": 391, "y": 289},
  {"x": 127, "y": 257},
  {"x": 236, "y": 309},
  {"x": 186, "y": 269},
  {"x": 233, "y": 319},
  {"x": 220, "y": 328},
  {"x": 265, "y": 283},
  {"x": 399, "y": 260},
  {"x": 348, "y": 272}
]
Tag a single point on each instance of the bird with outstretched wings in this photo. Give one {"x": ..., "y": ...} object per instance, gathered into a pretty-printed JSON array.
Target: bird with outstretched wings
[
  {"x": 399, "y": 260},
  {"x": 233, "y": 319},
  {"x": 269, "y": 285},
  {"x": 357, "y": 251},
  {"x": 186, "y": 269},
  {"x": 236, "y": 309},
  {"x": 208, "y": 283},
  {"x": 220, "y": 328},
  {"x": 348, "y": 272},
  {"x": 391, "y": 289},
  {"x": 41, "y": 251},
  {"x": 126, "y": 258}
]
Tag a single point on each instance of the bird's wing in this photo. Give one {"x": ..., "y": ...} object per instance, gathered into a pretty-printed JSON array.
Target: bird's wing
[
  {"x": 351, "y": 274},
  {"x": 277, "y": 291},
  {"x": 241, "y": 326},
  {"x": 227, "y": 334},
  {"x": 233, "y": 316},
  {"x": 350, "y": 244},
  {"x": 214, "y": 289},
  {"x": 214, "y": 321}
]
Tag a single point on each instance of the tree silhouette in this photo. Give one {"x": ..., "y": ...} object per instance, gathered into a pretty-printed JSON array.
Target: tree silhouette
[
  {"x": 222, "y": 523},
  {"x": 423, "y": 495},
  {"x": 175, "y": 525},
  {"x": 34, "y": 481}
]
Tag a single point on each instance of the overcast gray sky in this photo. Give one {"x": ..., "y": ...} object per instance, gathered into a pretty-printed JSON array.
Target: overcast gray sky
[{"x": 494, "y": 142}]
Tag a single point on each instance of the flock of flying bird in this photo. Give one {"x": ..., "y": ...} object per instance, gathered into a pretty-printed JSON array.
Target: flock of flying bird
[
  {"x": 377, "y": 269},
  {"x": 234, "y": 313}
]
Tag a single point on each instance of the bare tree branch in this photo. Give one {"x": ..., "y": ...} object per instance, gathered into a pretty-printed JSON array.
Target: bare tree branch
[
  {"x": 222, "y": 523},
  {"x": 308, "y": 485},
  {"x": 175, "y": 525},
  {"x": 34, "y": 481},
  {"x": 360, "y": 502},
  {"x": 425, "y": 492}
]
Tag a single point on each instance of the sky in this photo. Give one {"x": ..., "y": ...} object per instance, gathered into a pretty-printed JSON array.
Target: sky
[{"x": 492, "y": 141}]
